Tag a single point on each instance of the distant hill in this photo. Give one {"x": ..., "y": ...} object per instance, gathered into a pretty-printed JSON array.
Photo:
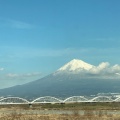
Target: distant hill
[{"x": 74, "y": 78}]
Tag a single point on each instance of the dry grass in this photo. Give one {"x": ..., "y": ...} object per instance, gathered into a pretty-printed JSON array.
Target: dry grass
[
  {"x": 88, "y": 115},
  {"x": 91, "y": 111}
]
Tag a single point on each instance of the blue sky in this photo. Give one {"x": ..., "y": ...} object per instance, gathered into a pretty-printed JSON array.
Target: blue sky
[{"x": 39, "y": 36}]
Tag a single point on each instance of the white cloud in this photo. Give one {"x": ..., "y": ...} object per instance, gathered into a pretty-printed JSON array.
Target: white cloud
[
  {"x": 19, "y": 24},
  {"x": 103, "y": 65},
  {"x": 104, "y": 70},
  {"x": 100, "y": 68},
  {"x": 1, "y": 69},
  {"x": 12, "y": 79},
  {"x": 13, "y": 75},
  {"x": 117, "y": 73},
  {"x": 14, "y": 24},
  {"x": 116, "y": 68}
]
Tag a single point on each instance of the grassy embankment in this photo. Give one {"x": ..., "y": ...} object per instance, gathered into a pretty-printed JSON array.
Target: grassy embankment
[{"x": 92, "y": 111}]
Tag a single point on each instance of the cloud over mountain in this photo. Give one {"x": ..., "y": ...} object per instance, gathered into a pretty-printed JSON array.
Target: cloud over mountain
[{"x": 98, "y": 69}]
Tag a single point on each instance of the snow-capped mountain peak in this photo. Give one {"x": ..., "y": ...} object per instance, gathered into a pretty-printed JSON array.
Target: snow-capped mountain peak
[{"x": 76, "y": 64}]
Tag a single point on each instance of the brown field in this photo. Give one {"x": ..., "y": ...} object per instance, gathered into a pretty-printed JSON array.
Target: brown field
[{"x": 73, "y": 111}]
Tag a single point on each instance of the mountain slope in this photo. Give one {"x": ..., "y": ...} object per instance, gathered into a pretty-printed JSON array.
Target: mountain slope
[{"x": 63, "y": 86}]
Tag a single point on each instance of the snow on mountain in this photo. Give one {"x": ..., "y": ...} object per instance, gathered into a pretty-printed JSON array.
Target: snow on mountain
[{"x": 76, "y": 65}]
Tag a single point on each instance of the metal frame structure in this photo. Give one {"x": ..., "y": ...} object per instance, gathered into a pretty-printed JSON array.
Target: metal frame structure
[
  {"x": 117, "y": 99},
  {"x": 14, "y": 100},
  {"x": 75, "y": 99},
  {"x": 47, "y": 99},
  {"x": 101, "y": 99}
]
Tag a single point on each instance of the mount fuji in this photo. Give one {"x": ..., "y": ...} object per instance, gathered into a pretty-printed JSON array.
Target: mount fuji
[
  {"x": 74, "y": 78},
  {"x": 76, "y": 65}
]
